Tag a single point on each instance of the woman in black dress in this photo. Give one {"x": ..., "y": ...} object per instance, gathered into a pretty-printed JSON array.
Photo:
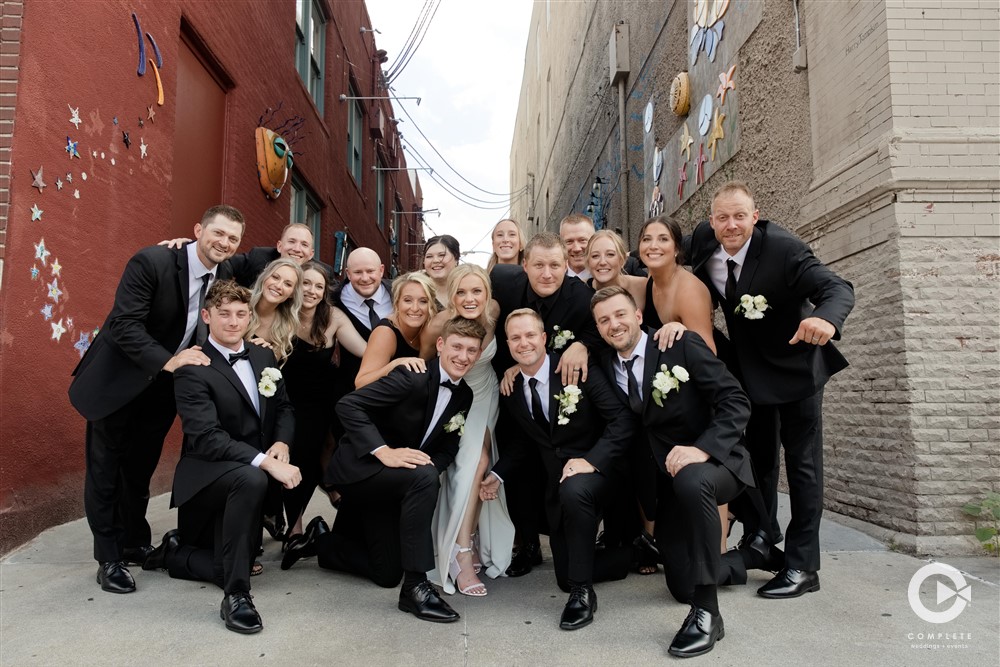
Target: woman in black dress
[
  {"x": 396, "y": 339},
  {"x": 309, "y": 378}
]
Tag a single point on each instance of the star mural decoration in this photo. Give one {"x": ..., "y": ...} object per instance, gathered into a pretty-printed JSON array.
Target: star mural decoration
[
  {"x": 36, "y": 213},
  {"x": 46, "y": 311},
  {"x": 76, "y": 194},
  {"x": 69, "y": 322},
  {"x": 115, "y": 120},
  {"x": 142, "y": 148},
  {"x": 83, "y": 344},
  {"x": 36, "y": 177},
  {"x": 34, "y": 273},
  {"x": 686, "y": 141},
  {"x": 54, "y": 291},
  {"x": 126, "y": 140},
  {"x": 151, "y": 114},
  {"x": 682, "y": 176},
  {"x": 58, "y": 330},
  {"x": 717, "y": 132},
  {"x": 56, "y": 267},
  {"x": 69, "y": 177},
  {"x": 59, "y": 184},
  {"x": 41, "y": 252},
  {"x": 142, "y": 123},
  {"x": 726, "y": 84},
  {"x": 71, "y": 148},
  {"x": 75, "y": 116},
  {"x": 701, "y": 160}
]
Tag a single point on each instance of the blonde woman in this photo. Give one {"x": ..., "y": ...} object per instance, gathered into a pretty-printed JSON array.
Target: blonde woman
[
  {"x": 396, "y": 339},
  {"x": 275, "y": 305},
  {"x": 606, "y": 257},
  {"x": 508, "y": 244},
  {"x": 459, "y": 511}
]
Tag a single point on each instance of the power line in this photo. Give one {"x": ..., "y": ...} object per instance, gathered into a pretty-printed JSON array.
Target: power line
[
  {"x": 415, "y": 40},
  {"x": 438, "y": 153},
  {"x": 423, "y": 161}
]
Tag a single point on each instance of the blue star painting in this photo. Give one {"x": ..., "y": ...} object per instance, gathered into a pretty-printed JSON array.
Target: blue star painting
[
  {"x": 46, "y": 311},
  {"x": 83, "y": 344}
]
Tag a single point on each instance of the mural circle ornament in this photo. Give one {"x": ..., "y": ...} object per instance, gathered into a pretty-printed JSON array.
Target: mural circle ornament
[
  {"x": 705, "y": 115},
  {"x": 680, "y": 94},
  {"x": 647, "y": 117}
]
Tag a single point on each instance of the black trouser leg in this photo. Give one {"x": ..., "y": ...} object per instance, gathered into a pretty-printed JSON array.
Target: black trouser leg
[
  {"x": 122, "y": 451},
  {"x": 764, "y": 446},
  {"x": 687, "y": 525},
  {"x": 802, "y": 437},
  {"x": 220, "y": 530}
]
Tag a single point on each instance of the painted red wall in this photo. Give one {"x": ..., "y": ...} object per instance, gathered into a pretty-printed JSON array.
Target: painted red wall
[{"x": 85, "y": 55}]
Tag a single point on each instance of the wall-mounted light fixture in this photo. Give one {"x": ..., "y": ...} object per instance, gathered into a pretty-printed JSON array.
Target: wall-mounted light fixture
[
  {"x": 595, "y": 209},
  {"x": 422, "y": 212},
  {"x": 374, "y": 168},
  {"x": 364, "y": 30},
  {"x": 344, "y": 98}
]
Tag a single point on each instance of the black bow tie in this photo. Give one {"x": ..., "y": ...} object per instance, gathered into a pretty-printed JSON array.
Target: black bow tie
[
  {"x": 236, "y": 356},
  {"x": 449, "y": 384}
]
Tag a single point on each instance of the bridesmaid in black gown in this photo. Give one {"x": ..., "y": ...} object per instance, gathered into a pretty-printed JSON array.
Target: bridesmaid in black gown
[
  {"x": 309, "y": 377},
  {"x": 396, "y": 339}
]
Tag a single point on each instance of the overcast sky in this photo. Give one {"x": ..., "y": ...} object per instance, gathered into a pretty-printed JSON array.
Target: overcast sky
[{"x": 468, "y": 72}]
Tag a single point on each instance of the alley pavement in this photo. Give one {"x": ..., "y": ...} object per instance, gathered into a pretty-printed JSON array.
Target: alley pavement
[{"x": 52, "y": 612}]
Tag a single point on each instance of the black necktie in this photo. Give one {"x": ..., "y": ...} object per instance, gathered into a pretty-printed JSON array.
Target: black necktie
[
  {"x": 373, "y": 318},
  {"x": 634, "y": 397},
  {"x": 200, "y": 328},
  {"x": 537, "y": 412},
  {"x": 731, "y": 281},
  {"x": 236, "y": 356}
]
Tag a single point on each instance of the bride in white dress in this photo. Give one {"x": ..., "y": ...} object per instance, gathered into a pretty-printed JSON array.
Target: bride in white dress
[{"x": 459, "y": 556}]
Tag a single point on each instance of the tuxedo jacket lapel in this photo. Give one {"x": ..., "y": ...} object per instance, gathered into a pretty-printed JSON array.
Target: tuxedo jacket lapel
[
  {"x": 182, "y": 276},
  {"x": 258, "y": 365},
  {"x": 611, "y": 362},
  {"x": 650, "y": 368},
  {"x": 521, "y": 405},
  {"x": 221, "y": 364},
  {"x": 750, "y": 264},
  {"x": 555, "y": 387}
]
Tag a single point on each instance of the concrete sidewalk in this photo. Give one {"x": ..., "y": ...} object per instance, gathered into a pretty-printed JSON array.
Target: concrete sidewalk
[{"x": 53, "y": 613}]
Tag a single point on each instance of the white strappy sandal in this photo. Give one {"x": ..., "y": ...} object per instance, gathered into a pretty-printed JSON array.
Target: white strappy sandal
[{"x": 476, "y": 589}]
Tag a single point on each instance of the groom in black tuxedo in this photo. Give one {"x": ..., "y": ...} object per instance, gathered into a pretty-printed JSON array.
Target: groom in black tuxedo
[
  {"x": 782, "y": 309},
  {"x": 402, "y": 431},
  {"x": 238, "y": 424},
  {"x": 581, "y": 432},
  {"x": 124, "y": 384},
  {"x": 693, "y": 412}
]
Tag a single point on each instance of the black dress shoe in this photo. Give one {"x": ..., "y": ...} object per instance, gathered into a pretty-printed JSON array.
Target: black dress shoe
[
  {"x": 525, "y": 557},
  {"x": 304, "y": 545},
  {"x": 424, "y": 602},
  {"x": 790, "y": 583},
  {"x": 157, "y": 559},
  {"x": 136, "y": 555},
  {"x": 698, "y": 634},
  {"x": 275, "y": 526},
  {"x": 760, "y": 554},
  {"x": 114, "y": 577},
  {"x": 240, "y": 615},
  {"x": 579, "y": 609}
]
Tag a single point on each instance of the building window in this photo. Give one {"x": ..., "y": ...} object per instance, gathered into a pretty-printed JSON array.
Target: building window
[
  {"x": 355, "y": 124},
  {"x": 310, "y": 47},
  {"x": 305, "y": 209}
]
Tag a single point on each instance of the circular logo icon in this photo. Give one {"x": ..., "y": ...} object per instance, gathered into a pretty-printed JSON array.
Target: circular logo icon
[{"x": 962, "y": 593}]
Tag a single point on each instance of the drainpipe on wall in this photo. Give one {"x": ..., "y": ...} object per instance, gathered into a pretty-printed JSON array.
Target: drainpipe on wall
[{"x": 618, "y": 57}]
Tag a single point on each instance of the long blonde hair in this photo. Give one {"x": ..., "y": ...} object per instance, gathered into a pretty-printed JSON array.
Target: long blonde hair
[
  {"x": 286, "y": 315},
  {"x": 455, "y": 277},
  {"x": 494, "y": 260}
]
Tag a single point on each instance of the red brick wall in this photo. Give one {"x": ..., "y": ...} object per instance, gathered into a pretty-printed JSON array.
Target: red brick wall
[{"x": 85, "y": 55}]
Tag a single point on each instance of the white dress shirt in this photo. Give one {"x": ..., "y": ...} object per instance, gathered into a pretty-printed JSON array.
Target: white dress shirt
[
  {"x": 542, "y": 375},
  {"x": 621, "y": 376},
  {"x": 443, "y": 398},
  {"x": 244, "y": 371},
  {"x": 717, "y": 270},
  {"x": 583, "y": 275},
  {"x": 355, "y": 303},
  {"x": 196, "y": 271}
]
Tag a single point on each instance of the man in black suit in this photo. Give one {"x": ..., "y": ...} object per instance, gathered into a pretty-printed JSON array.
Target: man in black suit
[
  {"x": 238, "y": 426},
  {"x": 693, "y": 412},
  {"x": 581, "y": 432},
  {"x": 782, "y": 309},
  {"x": 123, "y": 385},
  {"x": 402, "y": 432},
  {"x": 564, "y": 304},
  {"x": 575, "y": 231}
]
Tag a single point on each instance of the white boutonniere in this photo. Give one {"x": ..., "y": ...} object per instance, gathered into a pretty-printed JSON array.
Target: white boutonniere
[
  {"x": 269, "y": 378},
  {"x": 752, "y": 307},
  {"x": 562, "y": 338},
  {"x": 456, "y": 423},
  {"x": 667, "y": 379},
  {"x": 568, "y": 399}
]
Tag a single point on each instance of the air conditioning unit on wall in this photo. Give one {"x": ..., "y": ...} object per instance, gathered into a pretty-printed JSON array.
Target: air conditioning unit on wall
[
  {"x": 377, "y": 123},
  {"x": 618, "y": 52}
]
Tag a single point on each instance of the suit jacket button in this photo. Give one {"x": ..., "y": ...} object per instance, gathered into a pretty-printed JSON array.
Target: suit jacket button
[{"x": 149, "y": 379}]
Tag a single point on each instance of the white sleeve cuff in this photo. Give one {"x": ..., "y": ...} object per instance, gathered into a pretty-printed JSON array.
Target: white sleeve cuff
[{"x": 257, "y": 460}]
